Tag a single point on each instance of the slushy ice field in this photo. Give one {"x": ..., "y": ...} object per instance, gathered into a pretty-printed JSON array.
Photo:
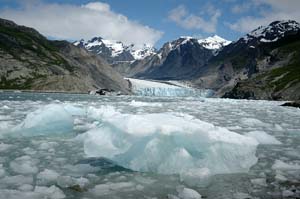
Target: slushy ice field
[{"x": 80, "y": 146}]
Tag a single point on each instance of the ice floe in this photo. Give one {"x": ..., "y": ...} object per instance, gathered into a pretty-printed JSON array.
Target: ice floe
[
  {"x": 50, "y": 119},
  {"x": 168, "y": 144},
  {"x": 142, "y": 147},
  {"x": 263, "y": 138}
]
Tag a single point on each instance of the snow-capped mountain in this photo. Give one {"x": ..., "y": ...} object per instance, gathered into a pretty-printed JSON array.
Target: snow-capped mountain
[
  {"x": 143, "y": 52},
  {"x": 115, "y": 51},
  {"x": 214, "y": 43},
  {"x": 182, "y": 58},
  {"x": 273, "y": 32},
  {"x": 262, "y": 65}
]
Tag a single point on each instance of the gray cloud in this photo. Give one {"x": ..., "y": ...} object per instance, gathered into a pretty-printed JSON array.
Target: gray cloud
[
  {"x": 184, "y": 19},
  {"x": 64, "y": 21}
]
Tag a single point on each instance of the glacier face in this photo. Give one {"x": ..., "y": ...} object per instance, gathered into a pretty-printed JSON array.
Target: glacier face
[
  {"x": 166, "y": 89},
  {"x": 65, "y": 142}
]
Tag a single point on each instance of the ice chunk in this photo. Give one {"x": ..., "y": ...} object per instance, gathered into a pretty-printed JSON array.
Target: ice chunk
[
  {"x": 259, "y": 182},
  {"x": 65, "y": 181},
  {"x": 52, "y": 192},
  {"x": 192, "y": 176},
  {"x": 287, "y": 193},
  {"x": 240, "y": 195},
  {"x": 17, "y": 194},
  {"x": 280, "y": 165},
  {"x": 48, "y": 145},
  {"x": 280, "y": 177},
  {"x": 111, "y": 144},
  {"x": 82, "y": 182},
  {"x": 2, "y": 171},
  {"x": 168, "y": 143},
  {"x": 110, "y": 188},
  {"x": 5, "y": 117},
  {"x": 24, "y": 165},
  {"x": 29, "y": 151},
  {"x": 47, "y": 176},
  {"x": 50, "y": 119},
  {"x": 4, "y": 127},
  {"x": 16, "y": 180},
  {"x": 5, "y": 107},
  {"x": 4, "y": 147},
  {"x": 141, "y": 104},
  {"x": 74, "y": 110},
  {"x": 26, "y": 187},
  {"x": 144, "y": 180},
  {"x": 263, "y": 138},
  {"x": 139, "y": 187},
  {"x": 186, "y": 193},
  {"x": 252, "y": 122},
  {"x": 102, "y": 112}
]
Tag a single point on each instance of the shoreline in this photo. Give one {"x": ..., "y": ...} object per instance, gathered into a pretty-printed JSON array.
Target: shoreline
[{"x": 39, "y": 91}]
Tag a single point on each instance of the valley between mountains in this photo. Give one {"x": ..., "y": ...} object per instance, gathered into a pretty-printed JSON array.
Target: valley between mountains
[{"x": 263, "y": 64}]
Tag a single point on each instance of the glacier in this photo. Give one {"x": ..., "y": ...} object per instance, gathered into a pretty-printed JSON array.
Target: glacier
[{"x": 166, "y": 89}]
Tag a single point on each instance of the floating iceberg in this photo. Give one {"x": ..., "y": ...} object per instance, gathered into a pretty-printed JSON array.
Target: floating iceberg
[
  {"x": 167, "y": 143},
  {"x": 50, "y": 119}
]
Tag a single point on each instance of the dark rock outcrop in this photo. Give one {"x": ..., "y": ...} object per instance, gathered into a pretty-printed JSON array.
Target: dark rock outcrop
[{"x": 292, "y": 104}]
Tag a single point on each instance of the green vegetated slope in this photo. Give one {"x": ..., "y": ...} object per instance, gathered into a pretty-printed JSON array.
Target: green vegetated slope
[{"x": 280, "y": 82}]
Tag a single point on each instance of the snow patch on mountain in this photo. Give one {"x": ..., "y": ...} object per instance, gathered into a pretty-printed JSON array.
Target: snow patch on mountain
[
  {"x": 273, "y": 32},
  {"x": 214, "y": 43},
  {"x": 144, "y": 52},
  {"x": 115, "y": 48}
]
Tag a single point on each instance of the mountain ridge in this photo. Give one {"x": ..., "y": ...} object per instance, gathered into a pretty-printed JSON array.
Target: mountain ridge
[
  {"x": 96, "y": 45},
  {"x": 158, "y": 65},
  {"x": 263, "y": 64},
  {"x": 251, "y": 56},
  {"x": 28, "y": 61},
  {"x": 115, "y": 51}
]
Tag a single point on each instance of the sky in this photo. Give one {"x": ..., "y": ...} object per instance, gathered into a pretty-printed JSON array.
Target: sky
[{"x": 147, "y": 21}]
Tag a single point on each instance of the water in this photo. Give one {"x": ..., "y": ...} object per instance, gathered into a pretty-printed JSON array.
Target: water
[{"x": 42, "y": 157}]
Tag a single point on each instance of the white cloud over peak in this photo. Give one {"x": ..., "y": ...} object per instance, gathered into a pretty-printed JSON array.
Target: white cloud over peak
[
  {"x": 73, "y": 22},
  {"x": 98, "y": 6},
  {"x": 278, "y": 10},
  {"x": 181, "y": 16}
]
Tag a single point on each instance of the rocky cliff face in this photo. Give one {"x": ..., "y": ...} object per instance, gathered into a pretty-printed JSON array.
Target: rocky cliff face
[
  {"x": 262, "y": 65},
  {"x": 181, "y": 59},
  {"x": 278, "y": 79},
  {"x": 30, "y": 61},
  {"x": 184, "y": 60}
]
